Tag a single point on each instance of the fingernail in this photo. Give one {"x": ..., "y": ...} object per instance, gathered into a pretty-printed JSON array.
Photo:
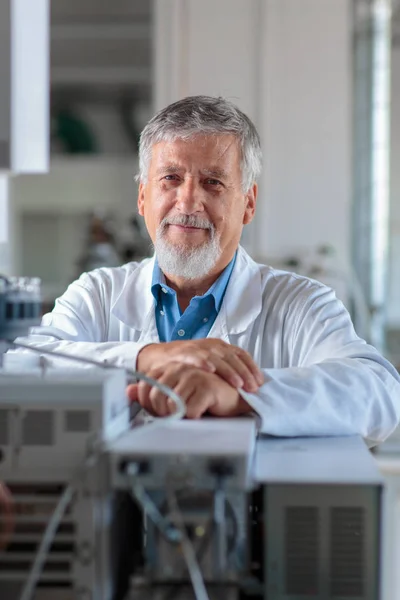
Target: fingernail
[
  {"x": 211, "y": 367},
  {"x": 252, "y": 385},
  {"x": 260, "y": 379},
  {"x": 238, "y": 382}
]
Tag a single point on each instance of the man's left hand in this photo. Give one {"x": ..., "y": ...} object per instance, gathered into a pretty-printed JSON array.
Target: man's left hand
[{"x": 201, "y": 391}]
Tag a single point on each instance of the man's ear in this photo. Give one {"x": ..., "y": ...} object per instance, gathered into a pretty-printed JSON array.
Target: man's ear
[
  {"x": 251, "y": 201},
  {"x": 140, "y": 201}
]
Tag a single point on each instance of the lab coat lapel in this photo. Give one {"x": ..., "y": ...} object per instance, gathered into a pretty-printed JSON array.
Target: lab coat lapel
[
  {"x": 135, "y": 304},
  {"x": 242, "y": 301},
  {"x": 149, "y": 332},
  {"x": 243, "y": 296},
  {"x": 219, "y": 329}
]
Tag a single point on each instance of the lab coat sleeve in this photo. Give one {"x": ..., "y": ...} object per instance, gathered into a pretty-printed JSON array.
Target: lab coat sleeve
[
  {"x": 337, "y": 383},
  {"x": 78, "y": 326}
]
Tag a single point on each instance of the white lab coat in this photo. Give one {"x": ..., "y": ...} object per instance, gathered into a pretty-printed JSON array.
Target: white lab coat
[{"x": 320, "y": 377}]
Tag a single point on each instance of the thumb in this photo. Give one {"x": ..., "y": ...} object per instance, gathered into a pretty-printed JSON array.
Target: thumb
[{"x": 132, "y": 392}]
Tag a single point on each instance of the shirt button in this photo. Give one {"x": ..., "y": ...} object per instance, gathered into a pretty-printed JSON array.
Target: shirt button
[
  {"x": 164, "y": 290},
  {"x": 162, "y": 313},
  {"x": 181, "y": 332},
  {"x": 205, "y": 319}
]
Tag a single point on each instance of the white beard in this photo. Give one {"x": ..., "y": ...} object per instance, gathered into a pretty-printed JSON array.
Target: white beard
[{"x": 180, "y": 261}]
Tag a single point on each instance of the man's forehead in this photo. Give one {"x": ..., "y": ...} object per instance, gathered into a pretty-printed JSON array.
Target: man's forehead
[
  {"x": 212, "y": 170},
  {"x": 212, "y": 148}
]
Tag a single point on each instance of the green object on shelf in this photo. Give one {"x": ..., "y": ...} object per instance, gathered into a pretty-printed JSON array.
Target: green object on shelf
[{"x": 75, "y": 135}]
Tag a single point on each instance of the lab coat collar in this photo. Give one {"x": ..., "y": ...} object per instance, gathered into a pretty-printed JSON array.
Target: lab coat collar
[
  {"x": 241, "y": 305},
  {"x": 135, "y": 303},
  {"x": 242, "y": 301}
]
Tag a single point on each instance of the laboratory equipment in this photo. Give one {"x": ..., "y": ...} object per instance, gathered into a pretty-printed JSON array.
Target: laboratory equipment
[{"x": 226, "y": 512}]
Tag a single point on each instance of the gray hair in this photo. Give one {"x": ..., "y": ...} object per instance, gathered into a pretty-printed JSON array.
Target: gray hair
[{"x": 205, "y": 115}]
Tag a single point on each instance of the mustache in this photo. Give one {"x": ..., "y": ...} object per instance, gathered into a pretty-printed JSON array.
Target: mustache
[{"x": 187, "y": 221}]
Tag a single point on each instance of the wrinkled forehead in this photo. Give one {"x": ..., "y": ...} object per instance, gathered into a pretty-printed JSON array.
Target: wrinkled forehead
[{"x": 202, "y": 150}]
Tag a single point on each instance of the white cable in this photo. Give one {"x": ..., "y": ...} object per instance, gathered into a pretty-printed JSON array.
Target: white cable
[
  {"x": 150, "y": 509},
  {"x": 45, "y": 544},
  {"x": 180, "y": 405},
  {"x": 188, "y": 551}
]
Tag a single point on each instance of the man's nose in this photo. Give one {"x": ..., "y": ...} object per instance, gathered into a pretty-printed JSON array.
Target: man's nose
[{"x": 190, "y": 197}]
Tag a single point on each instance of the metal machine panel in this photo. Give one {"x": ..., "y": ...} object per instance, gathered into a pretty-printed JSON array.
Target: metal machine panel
[
  {"x": 325, "y": 460},
  {"x": 322, "y": 508},
  {"x": 322, "y": 542},
  {"x": 49, "y": 422},
  {"x": 194, "y": 452},
  {"x": 52, "y": 428}
]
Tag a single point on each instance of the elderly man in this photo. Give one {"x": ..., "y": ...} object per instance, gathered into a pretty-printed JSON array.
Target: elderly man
[{"x": 228, "y": 335}]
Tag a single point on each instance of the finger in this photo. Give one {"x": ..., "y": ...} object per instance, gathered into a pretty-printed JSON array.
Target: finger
[
  {"x": 238, "y": 361},
  {"x": 229, "y": 372},
  {"x": 177, "y": 376},
  {"x": 144, "y": 388},
  {"x": 251, "y": 365},
  {"x": 157, "y": 397},
  {"x": 198, "y": 403},
  {"x": 249, "y": 382},
  {"x": 132, "y": 392},
  {"x": 171, "y": 406},
  {"x": 159, "y": 402}
]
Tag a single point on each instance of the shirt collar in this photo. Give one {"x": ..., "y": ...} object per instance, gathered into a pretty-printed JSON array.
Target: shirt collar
[
  {"x": 134, "y": 304},
  {"x": 217, "y": 290},
  {"x": 158, "y": 281}
]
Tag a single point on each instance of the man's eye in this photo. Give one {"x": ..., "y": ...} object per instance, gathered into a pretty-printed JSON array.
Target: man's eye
[
  {"x": 170, "y": 177},
  {"x": 213, "y": 182}
]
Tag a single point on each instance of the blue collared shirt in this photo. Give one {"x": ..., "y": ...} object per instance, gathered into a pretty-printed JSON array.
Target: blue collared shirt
[{"x": 199, "y": 316}]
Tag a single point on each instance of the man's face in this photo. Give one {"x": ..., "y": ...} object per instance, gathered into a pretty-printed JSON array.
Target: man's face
[{"x": 194, "y": 194}]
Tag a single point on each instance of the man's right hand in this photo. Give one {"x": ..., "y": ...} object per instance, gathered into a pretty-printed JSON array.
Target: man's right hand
[{"x": 231, "y": 363}]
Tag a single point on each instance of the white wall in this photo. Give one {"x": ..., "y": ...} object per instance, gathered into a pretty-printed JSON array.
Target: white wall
[
  {"x": 207, "y": 47},
  {"x": 288, "y": 64},
  {"x": 306, "y": 127}
]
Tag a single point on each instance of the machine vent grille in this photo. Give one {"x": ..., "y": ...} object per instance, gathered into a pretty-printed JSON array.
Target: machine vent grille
[
  {"x": 37, "y": 428},
  {"x": 347, "y": 552},
  {"x": 34, "y": 504},
  {"x": 301, "y": 557},
  {"x": 4, "y": 427},
  {"x": 77, "y": 421}
]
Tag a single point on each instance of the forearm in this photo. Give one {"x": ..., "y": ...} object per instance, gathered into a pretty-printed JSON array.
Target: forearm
[{"x": 337, "y": 397}]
